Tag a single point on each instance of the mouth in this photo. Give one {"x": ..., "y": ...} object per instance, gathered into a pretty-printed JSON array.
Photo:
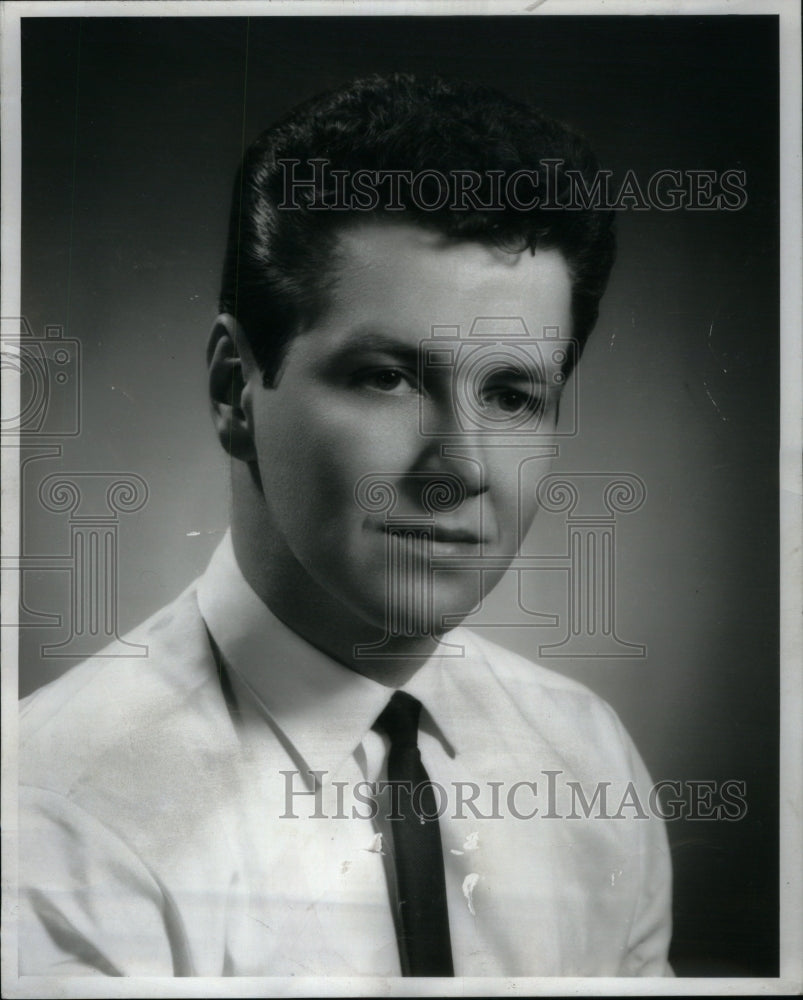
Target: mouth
[
  {"x": 444, "y": 535},
  {"x": 456, "y": 535}
]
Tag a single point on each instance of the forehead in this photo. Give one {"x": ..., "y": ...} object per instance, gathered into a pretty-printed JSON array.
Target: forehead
[{"x": 409, "y": 279}]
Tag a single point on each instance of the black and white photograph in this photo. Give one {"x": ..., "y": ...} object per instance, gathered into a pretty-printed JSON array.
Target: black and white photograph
[{"x": 401, "y": 447}]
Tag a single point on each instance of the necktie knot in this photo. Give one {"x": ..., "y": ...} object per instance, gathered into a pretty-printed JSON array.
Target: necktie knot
[{"x": 400, "y": 720}]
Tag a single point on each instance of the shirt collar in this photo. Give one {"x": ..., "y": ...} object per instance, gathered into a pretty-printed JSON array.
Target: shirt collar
[{"x": 322, "y": 707}]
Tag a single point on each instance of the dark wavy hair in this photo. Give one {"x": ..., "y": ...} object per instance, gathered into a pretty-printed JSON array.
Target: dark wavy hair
[{"x": 278, "y": 268}]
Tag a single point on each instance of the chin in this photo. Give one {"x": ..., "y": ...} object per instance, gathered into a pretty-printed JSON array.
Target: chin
[
  {"x": 450, "y": 601},
  {"x": 420, "y": 604}
]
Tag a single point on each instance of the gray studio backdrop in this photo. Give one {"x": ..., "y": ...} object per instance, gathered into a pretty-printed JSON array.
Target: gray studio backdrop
[{"x": 132, "y": 129}]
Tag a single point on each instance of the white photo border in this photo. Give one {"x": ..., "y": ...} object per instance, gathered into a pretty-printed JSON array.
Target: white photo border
[{"x": 790, "y": 980}]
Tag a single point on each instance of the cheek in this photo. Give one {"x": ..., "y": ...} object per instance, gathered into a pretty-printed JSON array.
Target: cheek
[
  {"x": 312, "y": 459},
  {"x": 529, "y": 508},
  {"x": 349, "y": 441},
  {"x": 513, "y": 491}
]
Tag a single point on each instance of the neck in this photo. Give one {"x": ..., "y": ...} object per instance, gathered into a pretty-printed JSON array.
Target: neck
[{"x": 307, "y": 607}]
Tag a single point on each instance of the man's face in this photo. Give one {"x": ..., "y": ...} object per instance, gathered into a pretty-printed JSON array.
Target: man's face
[{"x": 352, "y": 401}]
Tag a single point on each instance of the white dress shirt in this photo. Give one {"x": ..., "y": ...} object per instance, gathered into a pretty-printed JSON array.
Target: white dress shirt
[{"x": 203, "y": 813}]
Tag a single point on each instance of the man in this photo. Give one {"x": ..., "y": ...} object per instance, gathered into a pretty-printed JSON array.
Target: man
[{"x": 314, "y": 772}]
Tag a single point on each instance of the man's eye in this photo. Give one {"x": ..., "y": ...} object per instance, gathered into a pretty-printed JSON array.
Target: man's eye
[
  {"x": 390, "y": 380},
  {"x": 512, "y": 401}
]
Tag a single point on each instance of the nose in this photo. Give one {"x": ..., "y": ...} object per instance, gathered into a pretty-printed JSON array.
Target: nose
[{"x": 461, "y": 456}]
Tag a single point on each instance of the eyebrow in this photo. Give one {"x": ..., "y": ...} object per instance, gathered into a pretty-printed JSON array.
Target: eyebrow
[
  {"x": 375, "y": 339},
  {"x": 378, "y": 340}
]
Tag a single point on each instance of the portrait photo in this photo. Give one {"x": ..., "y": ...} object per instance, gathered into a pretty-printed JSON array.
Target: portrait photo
[{"x": 401, "y": 528}]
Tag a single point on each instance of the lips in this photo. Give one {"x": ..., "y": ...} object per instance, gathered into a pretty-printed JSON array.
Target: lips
[{"x": 443, "y": 533}]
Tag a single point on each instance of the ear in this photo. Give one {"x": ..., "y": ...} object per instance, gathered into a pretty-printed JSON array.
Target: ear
[{"x": 230, "y": 365}]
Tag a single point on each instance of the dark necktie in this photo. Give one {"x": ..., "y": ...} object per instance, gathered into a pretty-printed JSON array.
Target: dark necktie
[{"x": 425, "y": 945}]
